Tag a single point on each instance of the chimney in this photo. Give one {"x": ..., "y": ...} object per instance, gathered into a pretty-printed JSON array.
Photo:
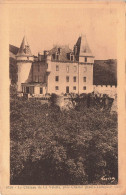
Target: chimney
[
  {"x": 45, "y": 53},
  {"x": 39, "y": 56}
]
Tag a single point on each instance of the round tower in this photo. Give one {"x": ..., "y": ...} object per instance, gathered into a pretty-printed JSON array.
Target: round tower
[{"x": 24, "y": 63}]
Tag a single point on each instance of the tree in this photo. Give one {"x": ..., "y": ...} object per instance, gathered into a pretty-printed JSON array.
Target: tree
[{"x": 50, "y": 146}]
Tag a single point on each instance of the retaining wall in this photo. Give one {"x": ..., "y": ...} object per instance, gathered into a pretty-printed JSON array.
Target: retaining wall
[{"x": 110, "y": 90}]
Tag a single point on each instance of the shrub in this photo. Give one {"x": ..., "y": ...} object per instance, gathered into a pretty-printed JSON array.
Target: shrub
[{"x": 69, "y": 147}]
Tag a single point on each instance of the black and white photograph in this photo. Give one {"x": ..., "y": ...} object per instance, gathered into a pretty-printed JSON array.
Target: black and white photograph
[{"x": 63, "y": 96}]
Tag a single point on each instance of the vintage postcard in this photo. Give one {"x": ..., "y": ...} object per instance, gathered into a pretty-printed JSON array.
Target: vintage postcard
[{"x": 63, "y": 97}]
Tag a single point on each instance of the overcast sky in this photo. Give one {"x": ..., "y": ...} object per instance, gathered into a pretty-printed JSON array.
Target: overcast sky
[{"x": 47, "y": 26}]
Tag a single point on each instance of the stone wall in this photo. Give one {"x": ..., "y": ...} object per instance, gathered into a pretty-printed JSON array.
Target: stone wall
[
  {"x": 70, "y": 70},
  {"x": 110, "y": 90},
  {"x": 39, "y": 72}
]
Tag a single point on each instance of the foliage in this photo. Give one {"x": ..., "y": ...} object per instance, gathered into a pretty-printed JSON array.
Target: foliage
[
  {"x": 13, "y": 69},
  {"x": 13, "y": 91},
  {"x": 105, "y": 72},
  {"x": 50, "y": 146}
]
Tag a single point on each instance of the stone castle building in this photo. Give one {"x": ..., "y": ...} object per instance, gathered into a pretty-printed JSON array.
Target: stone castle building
[{"x": 59, "y": 70}]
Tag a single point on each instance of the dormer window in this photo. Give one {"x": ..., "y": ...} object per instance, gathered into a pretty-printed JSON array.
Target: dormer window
[
  {"x": 59, "y": 50},
  {"x": 71, "y": 57},
  {"x": 56, "y": 56}
]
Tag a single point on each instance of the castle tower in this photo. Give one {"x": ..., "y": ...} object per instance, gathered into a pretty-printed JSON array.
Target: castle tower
[
  {"x": 86, "y": 61},
  {"x": 24, "y": 63},
  {"x": 83, "y": 52}
]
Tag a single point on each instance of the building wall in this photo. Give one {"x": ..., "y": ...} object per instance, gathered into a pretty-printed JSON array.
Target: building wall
[
  {"x": 75, "y": 70},
  {"x": 34, "y": 89},
  {"x": 85, "y": 70},
  {"x": 39, "y": 71},
  {"x": 30, "y": 58},
  {"x": 37, "y": 90},
  {"x": 88, "y": 59},
  {"x": 103, "y": 89},
  {"x": 62, "y": 73},
  {"x": 24, "y": 73}
]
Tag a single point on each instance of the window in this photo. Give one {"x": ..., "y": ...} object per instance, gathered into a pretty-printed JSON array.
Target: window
[
  {"x": 57, "y": 88},
  {"x": 57, "y": 68},
  {"x": 75, "y": 68},
  {"x": 71, "y": 57},
  {"x": 67, "y": 78},
  {"x": 84, "y": 88},
  {"x": 84, "y": 79},
  {"x": 59, "y": 50},
  {"x": 74, "y": 79},
  {"x": 38, "y": 78},
  {"x": 85, "y": 59},
  {"x": 22, "y": 89},
  {"x": 57, "y": 78},
  {"x": 74, "y": 88},
  {"x": 28, "y": 58},
  {"x": 57, "y": 56},
  {"x": 41, "y": 90},
  {"x": 67, "y": 89},
  {"x": 67, "y": 69},
  {"x": 85, "y": 69},
  {"x": 27, "y": 89}
]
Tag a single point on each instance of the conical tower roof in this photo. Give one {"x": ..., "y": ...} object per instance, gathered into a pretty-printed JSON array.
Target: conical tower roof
[
  {"x": 83, "y": 47},
  {"x": 24, "y": 49}
]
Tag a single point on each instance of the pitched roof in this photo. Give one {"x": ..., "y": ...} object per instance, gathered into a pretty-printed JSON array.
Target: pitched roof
[
  {"x": 63, "y": 54},
  {"x": 13, "y": 49},
  {"x": 83, "y": 47},
  {"x": 24, "y": 48},
  {"x": 104, "y": 71}
]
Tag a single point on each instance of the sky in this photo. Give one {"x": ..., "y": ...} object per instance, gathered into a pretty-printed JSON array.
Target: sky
[{"x": 48, "y": 26}]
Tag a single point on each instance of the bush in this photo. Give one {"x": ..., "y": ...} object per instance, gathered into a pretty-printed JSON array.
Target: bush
[{"x": 69, "y": 147}]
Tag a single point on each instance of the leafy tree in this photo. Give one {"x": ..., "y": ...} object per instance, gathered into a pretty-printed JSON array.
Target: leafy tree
[{"x": 50, "y": 146}]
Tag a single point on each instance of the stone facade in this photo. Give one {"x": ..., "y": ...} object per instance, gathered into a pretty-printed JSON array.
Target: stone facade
[
  {"x": 24, "y": 62},
  {"x": 70, "y": 78},
  {"x": 110, "y": 90},
  {"x": 60, "y": 70}
]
